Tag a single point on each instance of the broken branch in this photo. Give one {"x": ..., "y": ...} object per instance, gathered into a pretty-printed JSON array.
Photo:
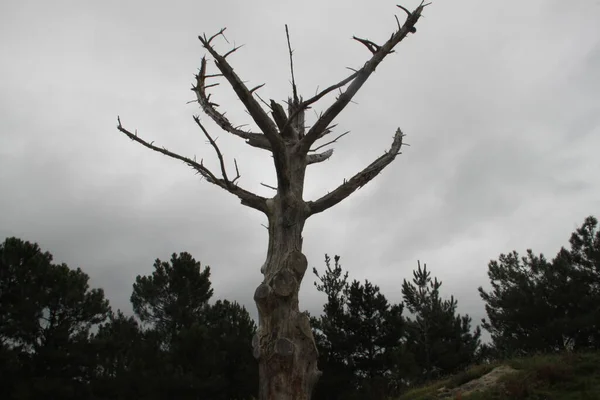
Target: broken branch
[
  {"x": 358, "y": 180},
  {"x": 320, "y": 157}
]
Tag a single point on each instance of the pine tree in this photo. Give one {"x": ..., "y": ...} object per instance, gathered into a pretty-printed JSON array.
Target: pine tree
[
  {"x": 46, "y": 313},
  {"x": 440, "y": 340},
  {"x": 357, "y": 336},
  {"x": 537, "y": 305},
  {"x": 206, "y": 348}
]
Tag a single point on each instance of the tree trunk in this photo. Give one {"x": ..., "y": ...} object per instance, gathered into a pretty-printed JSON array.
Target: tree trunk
[{"x": 284, "y": 344}]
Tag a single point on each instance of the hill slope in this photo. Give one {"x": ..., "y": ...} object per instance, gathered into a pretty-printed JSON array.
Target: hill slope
[{"x": 567, "y": 376}]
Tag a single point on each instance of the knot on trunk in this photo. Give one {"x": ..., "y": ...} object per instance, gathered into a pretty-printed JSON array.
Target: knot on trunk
[
  {"x": 297, "y": 262},
  {"x": 284, "y": 283},
  {"x": 261, "y": 296},
  {"x": 284, "y": 347}
]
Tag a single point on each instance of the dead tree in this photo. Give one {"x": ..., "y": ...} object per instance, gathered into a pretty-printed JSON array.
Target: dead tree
[{"x": 284, "y": 344}]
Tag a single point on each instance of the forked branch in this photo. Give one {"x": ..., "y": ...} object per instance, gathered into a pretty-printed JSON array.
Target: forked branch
[
  {"x": 358, "y": 180},
  {"x": 260, "y": 117},
  {"x": 253, "y": 139},
  {"x": 357, "y": 79},
  {"x": 247, "y": 198}
]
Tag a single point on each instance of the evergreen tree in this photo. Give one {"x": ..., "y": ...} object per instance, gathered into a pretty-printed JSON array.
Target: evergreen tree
[
  {"x": 537, "y": 305},
  {"x": 357, "y": 337},
  {"x": 440, "y": 340},
  {"x": 375, "y": 329},
  {"x": 207, "y": 348},
  {"x": 174, "y": 296},
  {"x": 130, "y": 362},
  {"x": 330, "y": 334},
  {"x": 46, "y": 314},
  {"x": 519, "y": 308}
]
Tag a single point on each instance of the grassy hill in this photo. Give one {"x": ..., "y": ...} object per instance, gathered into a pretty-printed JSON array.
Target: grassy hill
[{"x": 568, "y": 376}]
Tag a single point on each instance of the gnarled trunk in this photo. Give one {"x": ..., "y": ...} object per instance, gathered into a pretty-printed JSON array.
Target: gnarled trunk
[{"x": 284, "y": 344}]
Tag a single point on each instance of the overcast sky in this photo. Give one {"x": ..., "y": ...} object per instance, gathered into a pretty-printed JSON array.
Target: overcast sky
[{"x": 500, "y": 101}]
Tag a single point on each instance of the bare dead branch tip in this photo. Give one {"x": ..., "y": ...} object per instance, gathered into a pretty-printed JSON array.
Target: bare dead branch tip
[
  {"x": 262, "y": 101},
  {"x": 331, "y": 142},
  {"x": 269, "y": 186},
  {"x": 256, "y": 88},
  {"x": 373, "y": 48},
  {"x": 295, "y": 92},
  {"x": 220, "y": 33},
  {"x": 408, "y": 13},
  {"x": 236, "y": 48}
]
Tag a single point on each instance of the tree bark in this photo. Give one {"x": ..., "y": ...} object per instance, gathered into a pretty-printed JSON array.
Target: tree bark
[{"x": 284, "y": 344}]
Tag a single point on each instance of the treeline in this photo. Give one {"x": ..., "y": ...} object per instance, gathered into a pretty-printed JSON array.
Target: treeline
[
  {"x": 369, "y": 350},
  {"x": 59, "y": 338}
]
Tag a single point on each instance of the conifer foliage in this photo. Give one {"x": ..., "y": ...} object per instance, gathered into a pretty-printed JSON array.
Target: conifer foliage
[
  {"x": 540, "y": 305},
  {"x": 440, "y": 341},
  {"x": 368, "y": 349}
]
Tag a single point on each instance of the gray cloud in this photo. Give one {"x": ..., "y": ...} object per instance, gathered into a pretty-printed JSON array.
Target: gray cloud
[{"x": 500, "y": 103}]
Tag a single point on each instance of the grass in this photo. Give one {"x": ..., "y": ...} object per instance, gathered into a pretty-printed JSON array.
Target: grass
[{"x": 543, "y": 377}]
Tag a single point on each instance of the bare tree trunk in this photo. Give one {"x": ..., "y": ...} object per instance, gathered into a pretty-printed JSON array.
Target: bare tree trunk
[{"x": 284, "y": 344}]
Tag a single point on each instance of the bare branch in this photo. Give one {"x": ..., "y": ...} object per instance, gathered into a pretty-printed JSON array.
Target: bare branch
[
  {"x": 269, "y": 186},
  {"x": 331, "y": 142},
  {"x": 262, "y": 101},
  {"x": 209, "y": 108},
  {"x": 358, "y": 180},
  {"x": 211, "y": 85},
  {"x": 373, "y": 48},
  {"x": 295, "y": 92},
  {"x": 237, "y": 172},
  {"x": 218, "y": 151},
  {"x": 358, "y": 80},
  {"x": 408, "y": 13},
  {"x": 247, "y": 198},
  {"x": 232, "y": 50},
  {"x": 305, "y": 104},
  {"x": 220, "y": 33},
  {"x": 260, "y": 117},
  {"x": 320, "y": 157},
  {"x": 256, "y": 88}
]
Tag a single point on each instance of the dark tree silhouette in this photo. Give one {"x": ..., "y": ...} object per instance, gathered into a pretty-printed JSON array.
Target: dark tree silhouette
[
  {"x": 536, "y": 305},
  {"x": 46, "y": 314},
  {"x": 440, "y": 340}
]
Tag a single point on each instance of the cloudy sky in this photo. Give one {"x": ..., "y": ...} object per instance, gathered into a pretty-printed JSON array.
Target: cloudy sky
[{"x": 500, "y": 101}]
